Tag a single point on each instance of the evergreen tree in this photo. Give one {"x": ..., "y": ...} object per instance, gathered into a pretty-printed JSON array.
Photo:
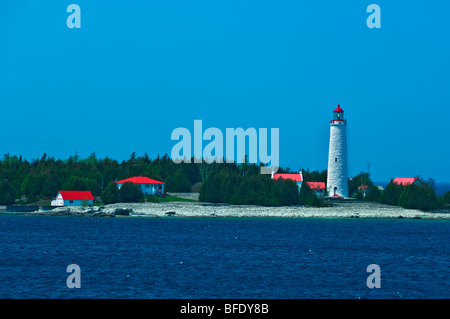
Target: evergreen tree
[
  {"x": 372, "y": 194},
  {"x": 447, "y": 197},
  {"x": 391, "y": 194},
  {"x": 6, "y": 193},
  {"x": 308, "y": 196},
  {"x": 130, "y": 193},
  {"x": 75, "y": 183},
  {"x": 111, "y": 193}
]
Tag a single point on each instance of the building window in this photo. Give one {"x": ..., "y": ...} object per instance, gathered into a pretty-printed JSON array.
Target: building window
[
  {"x": 70, "y": 201},
  {"x": 335, "y": 159},
  {"x": 147, "y": 185}
]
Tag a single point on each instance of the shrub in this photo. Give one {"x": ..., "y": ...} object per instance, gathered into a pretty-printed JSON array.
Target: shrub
[
  {"x": 130, "y": 193},
  {"x": 391, "y": 194},
  {"x": 373, "y": 193},
  {"x": 308, "y": 196},
  {"x": 6, "y": 193},
  {"x": 111, "y": 193},
  {"x": 446, "y": 197}
]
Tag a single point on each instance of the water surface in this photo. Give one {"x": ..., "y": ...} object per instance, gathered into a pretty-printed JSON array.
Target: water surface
[{"x": 131, "y": 257}]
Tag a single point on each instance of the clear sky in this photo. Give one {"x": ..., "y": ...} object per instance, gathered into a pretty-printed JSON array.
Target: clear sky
[{"x": 136, "y": 70}]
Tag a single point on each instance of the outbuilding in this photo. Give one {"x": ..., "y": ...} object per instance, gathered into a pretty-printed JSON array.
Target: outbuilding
[{"x": 73, "y": 198}]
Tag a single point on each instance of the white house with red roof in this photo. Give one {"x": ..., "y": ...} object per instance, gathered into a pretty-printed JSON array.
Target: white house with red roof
[
  {"x": 73, "y": 198},
  {"x": 317, "y": 187},
  {"x": 406, "y": 181},
  {"x": 147, "y": 185},
  {"x": 297, "y": 178}
]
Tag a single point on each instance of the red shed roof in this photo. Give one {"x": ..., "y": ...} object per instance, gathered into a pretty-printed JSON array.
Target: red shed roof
[
  {"x": 294, "y": 177},
  {"x": 316, "y": 185},
  {"x": 140, "y": 180},
  {"x": 338, "y": 109},
  {"x": 404, "y": 181},
  {"x": 76, "y": 195}
]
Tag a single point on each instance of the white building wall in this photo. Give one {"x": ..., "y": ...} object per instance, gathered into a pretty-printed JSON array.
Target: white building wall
[
  {"x": 148, "y": 189},
  {"x": 337, "y": 160},
  {"x": 78, "y": 202},
  {"x": 59, "y": 201}
]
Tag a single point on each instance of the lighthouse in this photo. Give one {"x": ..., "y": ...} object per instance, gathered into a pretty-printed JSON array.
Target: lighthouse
[{"x": 337, "y": 183}]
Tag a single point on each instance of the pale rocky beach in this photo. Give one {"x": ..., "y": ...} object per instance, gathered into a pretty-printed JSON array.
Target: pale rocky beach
[{"x": 339, "y": 209}]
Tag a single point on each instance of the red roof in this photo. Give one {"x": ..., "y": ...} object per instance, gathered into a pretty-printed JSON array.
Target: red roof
[
  {"x": 404, "y": 181},
  {"x": 316, "y": 185},
  {"x": 76, "y": 195},
  {"x": 139, "y": 180},
  {"x": 363, "y": 187},
  {"x": 338, "y": 109},
  {"x": 294, "y": 177}
]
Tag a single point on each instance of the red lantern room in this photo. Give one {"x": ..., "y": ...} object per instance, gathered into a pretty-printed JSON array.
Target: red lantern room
[{"x": 338, "y": 116}]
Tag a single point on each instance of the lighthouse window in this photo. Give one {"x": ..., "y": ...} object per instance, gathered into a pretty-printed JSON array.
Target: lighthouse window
[{"x": 335, "y": 159}]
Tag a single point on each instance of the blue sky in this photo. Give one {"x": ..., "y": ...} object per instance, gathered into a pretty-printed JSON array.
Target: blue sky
[{"x": 136, "y": 70}]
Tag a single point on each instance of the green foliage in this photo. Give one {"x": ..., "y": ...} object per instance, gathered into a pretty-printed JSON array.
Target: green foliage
[
  {"x": 6, "y": 193},
  {"x": 307, "y": 196},
  {"x": 362, "y": 179},
  {"x": 210, "y": 191},
  {"x": 418, "y": 197},
  {"x": 362, "y": 187},
  {"x": 45, "y": 176},
  {"x": 446, "y": 197},
  {"x": 373, "y": 193},
  {"x": 111, "y": 193},
  {"x": 314, "y": 176},
  {"x": 246, "y": 186},
  {"x": 75, "y": 183},
  {"x": 391, "y": 194},
  {"x": 168, "y": 198},
  {"x": 412, "y": 196},
  {"x": 178, "y": 182},
  {"x": 130, "y": 193}
]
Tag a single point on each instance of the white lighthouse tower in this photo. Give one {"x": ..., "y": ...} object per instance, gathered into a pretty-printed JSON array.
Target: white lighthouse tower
[{"x": 337, "y": 183}]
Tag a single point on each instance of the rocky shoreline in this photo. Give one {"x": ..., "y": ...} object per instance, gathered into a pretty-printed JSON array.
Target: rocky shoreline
[{"x": 340, "y": 209}]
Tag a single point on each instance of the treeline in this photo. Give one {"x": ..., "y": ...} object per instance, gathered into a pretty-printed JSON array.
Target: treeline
[
  {"x": 44, "y": 177},
  {"x": 414, "y": 196},
  {"x": 128, "y": 193},
  {"x": 244, "y": 185},
  {"x": 30, "y": 181}
]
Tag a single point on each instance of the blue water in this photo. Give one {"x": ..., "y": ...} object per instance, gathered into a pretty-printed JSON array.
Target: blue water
[{"x": 223, "y": 257}]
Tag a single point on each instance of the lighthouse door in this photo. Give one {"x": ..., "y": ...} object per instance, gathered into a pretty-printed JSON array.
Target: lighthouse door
[{"x": 335, "y": 191}]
